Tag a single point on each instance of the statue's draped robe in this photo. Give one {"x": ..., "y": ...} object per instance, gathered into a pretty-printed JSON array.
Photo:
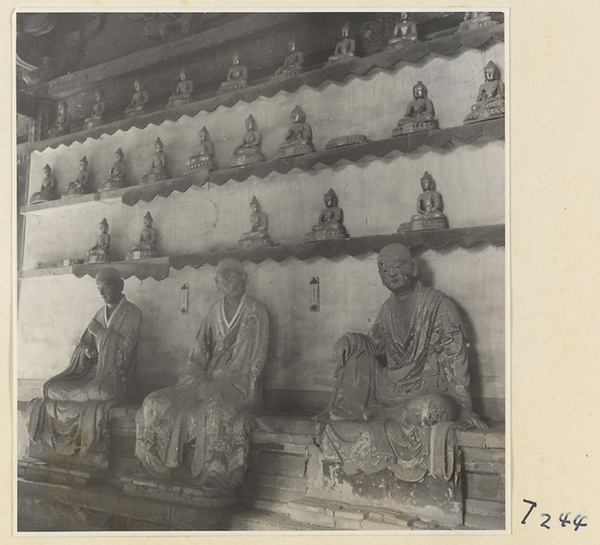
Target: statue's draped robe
[
  {"x": 388, "y": 383},
  {"x": 198, "y": 427},
  {"x": 71, "y": 417}
]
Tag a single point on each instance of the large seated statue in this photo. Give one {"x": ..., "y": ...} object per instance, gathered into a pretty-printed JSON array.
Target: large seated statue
[
  {"x": 490, "y": 97},
  {"x": 196, "y": 431},
  {"x": 69, "y": 423},
  {"x": 402, "y": 388}
]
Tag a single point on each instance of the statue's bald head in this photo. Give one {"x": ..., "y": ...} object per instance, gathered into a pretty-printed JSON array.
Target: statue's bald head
[{"x": 397, "y": 268}]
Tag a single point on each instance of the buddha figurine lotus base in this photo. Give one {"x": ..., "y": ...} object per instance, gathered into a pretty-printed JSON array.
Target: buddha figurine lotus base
[
  {"x": 244, "y": 160},
  {"x": 333, "y": 234},
  {"x": 230, "y": 86},
  {"x": 337, "y": 59},
  {"x": 36, "y": 198},
  {"x": 291, "y": 72},
  {"x": 97, "y": 258},
  {"x": 75, "y": 192},
  {"x": 251, "y": 243},
  {"x": 147, "y": 253},
  {"x": 173, "y": 102},
  {"x": 410, "y": 127},
  {"x": 427, "y": 224},
  {"x": 490, "y": 113},
  {"x": 92, "y": 123},
  {"x": 294, "y": 150},
  {"x": 156, "y": 175},
  {"x": 134, "y": 112},
  {"x": 111, "y": 184},
  {"x": 199, "y": 162},
  {"x": 348, "y": 140}
]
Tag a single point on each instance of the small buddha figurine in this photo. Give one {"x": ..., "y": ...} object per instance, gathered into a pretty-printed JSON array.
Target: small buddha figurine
[
  {"x": 249, "y": 152},
  {"x": 62, "y": 123},
  {"x": 41, "y": 74},
  {"x": 97, "y": 111},
  {"x": 116, "y": 178},
  {"x": 99, "y": 252},
  {"x": 138, "y": 100},
  {"x": 405, "y": 32},
  {"x": 429, "y": 208},
  {"x": 237, "y": 77},
  {"x": 298, "y": 140},
  {"x": 146, "y": 246},
  {"x": 331, "y": 221},
  {"x": 48, "y": 190},
  {"x": 292, "y": 65},
  {"x": 420, "y": 114},
  {"x": 206, "y": 154},
  {"x": 344, "y": 50},
  {"x": 257, "y": 236},
  {"x": 80, "y": 185},
  {"x": 490, "y": 98},
  {"x": 159, "y": 170},
  {"x": 183, "y": 92},
  {"x": 476, "y": 20}
]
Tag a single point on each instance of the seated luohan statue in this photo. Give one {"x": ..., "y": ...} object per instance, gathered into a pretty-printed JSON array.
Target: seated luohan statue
[
  {"x": 292, "y": 65},
  {"x": 48, "y": 190},
  {"x": 420, "y": 113},
  {"x": 298, "y": 139},
  {"x": 249, "y": 151},
  {"x": 138, "y": 100},
  {"x": 237, "y": 77},
  {"x": 405, "y": 32},
  {"x": 490, "y": 98},
  {"x": 401, "y": 388},
  {"x": 80, "y": 185},
  {"x": 205, "y": 158},
  {"x": 345, "y": 48},
  {"x": 257, "y": 236},
  {"x": 117, "y": 173},
  {"x": 158, "y": 171},
  {"x": 429, "y": 209},
  {"x": 69, "y": 423},
  {"x": 100, "y": 252},
  {"x": 197, "y": 431},
  {"x": 183, "y": 91},
  {"x": 331, "y": 221},
  {"x": 146, "y": 246}
]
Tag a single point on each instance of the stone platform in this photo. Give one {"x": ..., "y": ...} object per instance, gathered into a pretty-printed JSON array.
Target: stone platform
[{"x": 278, "y": 494}]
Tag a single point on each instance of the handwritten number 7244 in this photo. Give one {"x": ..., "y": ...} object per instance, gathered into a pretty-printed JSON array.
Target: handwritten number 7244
[{"x": 577, "y": 522}]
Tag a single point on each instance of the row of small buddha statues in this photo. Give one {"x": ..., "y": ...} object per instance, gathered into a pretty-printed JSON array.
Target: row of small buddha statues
[
  {"x": 330, "y": 226},
  {"x": 419, "y": 116},
  {"x": 405, "y": 32}
]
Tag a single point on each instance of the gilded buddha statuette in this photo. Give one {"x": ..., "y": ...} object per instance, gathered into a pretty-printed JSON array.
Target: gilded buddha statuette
[
  {"x": 298, "y": 139},
  {"x": 205, "y": 158},
  {"x": 158, "y": 171},
  {"x": 331, "y": 221},
  {"x": 420, "y": 113},
  {"x": 249, "y": 152},
  {"x": 490, "y": 98}
]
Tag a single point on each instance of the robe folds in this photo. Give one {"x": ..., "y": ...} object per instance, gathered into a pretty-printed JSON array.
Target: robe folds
[
  {"x": 197, "y": 429},
  {"x": 71, "y": 417},
  {"x": 396, "y": 400}
]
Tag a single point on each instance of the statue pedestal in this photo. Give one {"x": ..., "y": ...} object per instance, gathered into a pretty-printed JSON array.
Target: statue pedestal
[
  {"x": 178, "y": 492},
  {"x": 69, "y": 262},
  {"x": 199, "y": 162},
  {"x": 336, "y": 59},
  {"x": 294, "y": 151},
  {"x": 316, "y": 236},
  {"x": 487, "y": 113},
  {"x": 157, "y": 175},
  {"x": 407, "y": 128},
  {"x": 244, "y": 160},
  {"x": 40, "y": 471},
  {"x": 98, "y": 258},
  {"x": 111, "y": 184},
  {"x": 250, "y": 243},
  {"x": 75, "y": 192},
  {"x": 230, "y": 86},
  {"x": 348, "y": 140},
  {"x": 296, "y": 71},
  {"x": 91, "y": 123},
  {"x": 425, "y": 224},
  {"x": 138, "y": 110},
  {"x": 178, "y": 101},
  {"x": 140, "y": 254}
]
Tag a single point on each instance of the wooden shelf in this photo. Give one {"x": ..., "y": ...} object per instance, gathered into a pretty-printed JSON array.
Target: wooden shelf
[
  {"x": 358, "y": 67},
  {"x": 158, "y": 268}
]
